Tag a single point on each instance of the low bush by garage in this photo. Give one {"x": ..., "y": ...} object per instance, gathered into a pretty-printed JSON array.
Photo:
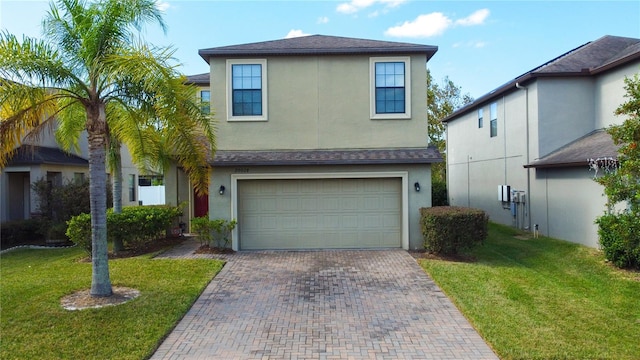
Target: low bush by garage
[
  {"x": 448, "y": 230},
  {"x": 137, "y": 226}
]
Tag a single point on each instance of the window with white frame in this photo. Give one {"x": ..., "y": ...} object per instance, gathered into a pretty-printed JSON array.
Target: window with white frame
[
  {"x": 247, "y": 90},
  {"x": 480, "y": 118},
  {"x": 390, "y": 87},
  {"x": 494, "y": 120}
]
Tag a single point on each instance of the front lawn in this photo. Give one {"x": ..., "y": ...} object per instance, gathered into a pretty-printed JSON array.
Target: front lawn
[
  {"x": 544, "y": 298},
  {"x": 33, "y": 324}
]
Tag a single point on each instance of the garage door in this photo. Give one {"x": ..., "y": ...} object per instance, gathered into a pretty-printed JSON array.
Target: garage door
[{"x": 319, "y": 213}]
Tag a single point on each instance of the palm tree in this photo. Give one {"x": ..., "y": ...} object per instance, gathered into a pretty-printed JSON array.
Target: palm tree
[{"x": 94, "y": 75}]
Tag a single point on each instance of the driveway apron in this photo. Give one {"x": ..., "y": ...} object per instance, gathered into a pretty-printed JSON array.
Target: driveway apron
[{"x": 365, "y": 304}]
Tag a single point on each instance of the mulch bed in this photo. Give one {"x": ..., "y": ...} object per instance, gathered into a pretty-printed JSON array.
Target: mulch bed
[
  {"x": 423, "y": 254},
  {"x": 206, "y": 249}
]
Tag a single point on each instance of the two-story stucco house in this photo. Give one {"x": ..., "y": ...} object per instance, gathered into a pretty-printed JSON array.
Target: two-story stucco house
[
  {"x": 537, "y": 134},
  {"x": 321, "y": 142}
]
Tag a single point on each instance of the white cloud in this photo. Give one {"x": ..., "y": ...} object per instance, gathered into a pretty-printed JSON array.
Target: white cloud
[
  {"x": 477, "y": 18},
  {"x": 293, "y": 33},
  {"x": 323, "y": 20},
  {"x": 423, "y": 26},
  {"x": 162, "y": 5},
  {"x": 354, "y": 6},
  {"x": 436, "y": 23}
]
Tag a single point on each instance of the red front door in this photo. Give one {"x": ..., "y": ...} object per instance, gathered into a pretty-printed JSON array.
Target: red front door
[{"x": 200, "y": 205}]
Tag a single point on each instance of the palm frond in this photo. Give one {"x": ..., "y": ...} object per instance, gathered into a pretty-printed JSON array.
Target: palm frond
[{"x": 24, "y": 111}]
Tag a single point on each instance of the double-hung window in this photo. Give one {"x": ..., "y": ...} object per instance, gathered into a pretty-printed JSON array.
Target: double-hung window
[
  {"x": 494, "y": 120},
  {"x": 480, "y": 118},
  {"x": 390, "y": 88},
  {"x": 247, "y": 90}
]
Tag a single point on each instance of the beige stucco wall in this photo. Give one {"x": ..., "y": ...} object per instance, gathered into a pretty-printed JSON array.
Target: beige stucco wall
[{"x": 320, "y": 102}]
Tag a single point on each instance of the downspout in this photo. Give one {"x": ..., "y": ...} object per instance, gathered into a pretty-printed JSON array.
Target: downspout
[{"x": 526, "y": 99}]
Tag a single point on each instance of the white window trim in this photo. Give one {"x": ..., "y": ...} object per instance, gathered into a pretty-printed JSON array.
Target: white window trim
[
  {"x": 407, "y": 87},
  {"x": 264, "y": 116},
  {"x": 403, "y": 175}
]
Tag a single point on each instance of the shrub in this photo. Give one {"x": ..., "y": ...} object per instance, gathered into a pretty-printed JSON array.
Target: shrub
[
  {"x": 210, "y": 231},
  {"x": 58, "y": 204},
  {"x": 203, "y": 229},
  {"x": 137, "y": 226},
  {"x": 439, "y": 193},
  {"x": 620, "y": 239},
  {"x": 79, "y": 231},
  {"x": 19, "y": 232},
  {"x": 447, "y": 230}
]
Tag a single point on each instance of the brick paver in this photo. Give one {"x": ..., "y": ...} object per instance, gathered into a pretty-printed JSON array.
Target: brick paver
[{"x": 363, "y": 304}]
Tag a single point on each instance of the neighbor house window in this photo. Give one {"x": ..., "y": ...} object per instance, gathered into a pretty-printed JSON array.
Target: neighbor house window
[
  {"x": 480, "y": 119},
  {"x": 78, "y": 177},
  {"x": 390, "y": 88},
  {"x": 205, "y": 98},
  {"x": 494, "y": 120},
  {"x": 132, "y": 187},
  {"x": 247, "y": 89}
]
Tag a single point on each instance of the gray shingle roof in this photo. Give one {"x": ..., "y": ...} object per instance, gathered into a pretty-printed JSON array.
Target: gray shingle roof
[
  {"x": 591, "y": 56},
  {"x": 36, "y": 155},
  {"x": 318, "y": 45},
  {"x": 586, "y": 60},
  {"x": 198, "y": 79},
  {"x": 597, "y": 144},
  {"x": 425, "y": 155}
]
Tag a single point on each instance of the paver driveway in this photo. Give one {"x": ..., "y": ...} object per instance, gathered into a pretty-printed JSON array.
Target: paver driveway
[{"x": 362, "y": 304}]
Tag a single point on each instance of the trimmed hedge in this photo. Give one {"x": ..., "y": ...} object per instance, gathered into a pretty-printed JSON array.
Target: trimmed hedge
[
  {"x": 20, "y": 232},
  {"x": 620, "y": 239},
  {"x": 447, "y": 230},
  {"x": 137, "y": 226}
]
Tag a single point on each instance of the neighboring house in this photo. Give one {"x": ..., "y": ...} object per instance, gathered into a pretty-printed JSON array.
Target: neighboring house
[
  {"x": 321, "y": 142},
  {"x": 43, "y": 159},
  {"x": 538, "y": 134}
]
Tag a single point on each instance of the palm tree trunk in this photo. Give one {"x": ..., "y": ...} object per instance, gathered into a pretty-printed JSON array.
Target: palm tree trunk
[
  {"x": 116, "y": 168},
  {"x": 97, "y": 130}
]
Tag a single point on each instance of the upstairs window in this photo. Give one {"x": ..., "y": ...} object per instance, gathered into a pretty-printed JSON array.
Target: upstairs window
[
  {"x": 247, "y": 90},
  {"x": 494, "y": 120},
  {"x": 205, "y": 99},
  {"x": 390, "y": 90},
  {"x": 480, "y": 118}
]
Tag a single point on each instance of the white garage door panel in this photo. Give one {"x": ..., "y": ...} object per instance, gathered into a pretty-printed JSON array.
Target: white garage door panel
[{"x": 319, "y": 213}]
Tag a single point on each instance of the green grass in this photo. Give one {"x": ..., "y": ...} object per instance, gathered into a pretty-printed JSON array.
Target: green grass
[
  {"x": 544, "y": 299},
  {"x": 33, "y": 325}
]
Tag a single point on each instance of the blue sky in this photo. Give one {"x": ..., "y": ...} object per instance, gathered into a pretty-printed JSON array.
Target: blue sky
[{"x": 482, "y": 44}]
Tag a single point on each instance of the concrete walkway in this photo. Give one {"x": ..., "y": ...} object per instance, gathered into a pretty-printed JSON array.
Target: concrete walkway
[{"x": 362, "y": 304}]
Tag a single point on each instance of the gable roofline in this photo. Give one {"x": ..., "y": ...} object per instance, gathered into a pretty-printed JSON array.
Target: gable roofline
[
  {"x": 589, "y": 59},
  {"x": 318, "y": 45}
]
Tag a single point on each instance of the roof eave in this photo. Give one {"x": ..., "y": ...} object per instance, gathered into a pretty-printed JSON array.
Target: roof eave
[
  {"x": 215, "y": 163},
  {"x": 207, "y": 54}
]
